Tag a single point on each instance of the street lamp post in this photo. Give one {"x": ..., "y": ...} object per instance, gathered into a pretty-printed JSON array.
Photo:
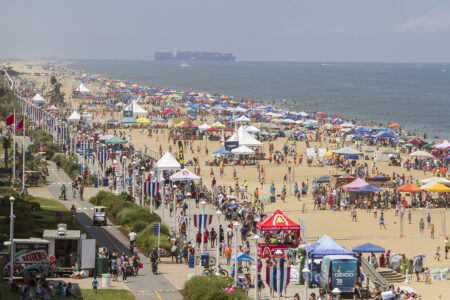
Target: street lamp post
[
  {"x": 218, "y": 213},
  {"x": 235, "y": 226},
  {"x": 256, "y": 238},
  {"x": 11, "y": 238},
  {"x": 278, "y": 281},
  {"x": 124, "y": 182},
  {"x": 203, "y": 225},
  {"x": 306, "y": 270}
]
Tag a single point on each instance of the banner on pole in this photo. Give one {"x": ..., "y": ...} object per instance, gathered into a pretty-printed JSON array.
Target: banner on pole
[
  {"x": 202, "y": 220},
  {"x": 272, "y": 278},
  {"x": 181, "y": 154}
]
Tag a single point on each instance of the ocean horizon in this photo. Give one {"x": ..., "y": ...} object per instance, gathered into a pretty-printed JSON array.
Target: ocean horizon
[{"x": 417, "y": 95}]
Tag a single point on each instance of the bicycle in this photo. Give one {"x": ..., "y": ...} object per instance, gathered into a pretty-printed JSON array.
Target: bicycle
[{"x": 213, "y": 271}]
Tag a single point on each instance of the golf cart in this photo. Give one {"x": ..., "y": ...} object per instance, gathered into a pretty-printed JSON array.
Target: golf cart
[{"x": 99, "y": 216}]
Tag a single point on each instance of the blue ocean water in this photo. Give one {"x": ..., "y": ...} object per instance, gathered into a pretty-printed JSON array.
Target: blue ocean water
[{"x": 415, "y": 95}]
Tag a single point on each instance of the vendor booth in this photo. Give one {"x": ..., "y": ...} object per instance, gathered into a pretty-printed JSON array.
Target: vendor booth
[{"x": 270, "y": 228}]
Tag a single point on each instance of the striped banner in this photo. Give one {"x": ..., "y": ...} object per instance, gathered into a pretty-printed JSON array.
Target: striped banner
[
  {"x": 271, "y": 276},
  {"x": 202, "y": 220}
]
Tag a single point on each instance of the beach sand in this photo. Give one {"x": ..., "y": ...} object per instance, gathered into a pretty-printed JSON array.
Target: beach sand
[{"x": 337, "y": 225}]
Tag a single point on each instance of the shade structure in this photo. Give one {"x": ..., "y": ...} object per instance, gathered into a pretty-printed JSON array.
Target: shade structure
[
  {"x": 184, "y": 175},
  {"x": 385, "y": 134},
  {"x": 135, "y": 108},
  {"x": 186, "y": 125},
  {"x": 74, "y": 117},
  {"x": 347, "y": 151},
  {"x": 115, "y": 140},
  {"x": 355, "y": 185},
  {"x": 128, "y": 121},
  {"x": 143, "y": 120},
  {"x": 394, "y": 125},
  {"x": 252, "y": 129},
  {"x": 438, "y": 188},
  {"x": 368, "y": 248},
  {"x": 329, "y": 153},
  {"x": 217, "y": 124},
  {"x": 444, "y": 145},
  {"x": 326, "y": 246},
  {"x": 82, "y": 89},
  {"x": 435, "y": 180},
  {"x": 212, "y": 129},
  {"x": 204, "y": 126},
  {"x": 243, "y": 119},
  {"x": 168, "y": 162},
  {"x": 221, "y": 152},
  {"x": 415, "y": 141},
  {"x": 322, "y": 179},
  {"x": 241, "y": 256},
  {"x": 112, "y": 120},
  {"x": 243, "y": 150},
  {"x": 370, "y": 188},
  {"x": 51, "y": 108},
  {"x": 244, "y": 138},
  {"x": 410, "y": 188},
  {"x": 106, "y": 137},
  {"x": 37, "y": 99},
  {"x": 277, "y": 221},
  {"x": 421, "y": 154}
]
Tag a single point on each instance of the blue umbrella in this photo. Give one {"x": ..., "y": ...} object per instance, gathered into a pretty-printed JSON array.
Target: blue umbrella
[
  {"x": 241, "y": 256},
  {"x": 112, "y": 120},
  {"x": 222, "y": 151},
  {"x": 128, "y": 120},
  {"x": 370, "y": 188}
]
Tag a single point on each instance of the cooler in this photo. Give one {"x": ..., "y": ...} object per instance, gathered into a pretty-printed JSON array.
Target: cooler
[
  {"x": 106, "y": 280},
  {"x": 435, "y": 275},
  {"x": 444, "y": 274}
]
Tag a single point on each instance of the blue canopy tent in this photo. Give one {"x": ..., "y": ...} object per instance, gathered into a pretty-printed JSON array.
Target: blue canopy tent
[
  {"x": 326, "y": 246},
  {"x": 241, "y": 256},
  {"x": 385, "y": 135},
  {"x": 221, "y": 152},
  {"x": 368, "y": 248},
  {"x": 370, "y": 188},
  {"x": 128, "y": 121},
  {"x": 112, "y": 121}
]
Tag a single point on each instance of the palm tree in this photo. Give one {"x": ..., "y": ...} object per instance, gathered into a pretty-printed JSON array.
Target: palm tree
[{"x": 6, "y": 142}]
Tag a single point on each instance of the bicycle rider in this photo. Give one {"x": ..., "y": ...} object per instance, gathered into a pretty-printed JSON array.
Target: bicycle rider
[{"x": 132, "y": 235}]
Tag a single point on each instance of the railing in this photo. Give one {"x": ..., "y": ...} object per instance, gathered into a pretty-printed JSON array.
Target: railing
[{"x": 373, "y": 275}]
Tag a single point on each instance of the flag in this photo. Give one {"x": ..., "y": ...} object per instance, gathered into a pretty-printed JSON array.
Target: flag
[
  {"x": 201, "y": 220},
  {"x": 20, "y": 125},
  {"x": 285, "y": 276},
  {"x": 9, "y": 120}
]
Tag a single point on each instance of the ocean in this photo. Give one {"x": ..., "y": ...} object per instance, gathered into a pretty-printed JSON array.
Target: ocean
[{"x": 414, "y": 95}]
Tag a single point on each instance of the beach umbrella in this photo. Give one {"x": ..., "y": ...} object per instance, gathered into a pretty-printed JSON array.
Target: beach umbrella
[
  {"x": 421, "y": 154},
  {"x": 435, "y": 180},
  {"x": 128, "y": 121},
  {"x": 112, "y": 121},
  {"x": 393, "y": 125},
  {"x": 221, "y": 152},
  {"x": 106, "y": 137},
  {"x": 115, "y": 141},
  {"x": 368, "y": 248},
  {"x": 410, "y": 188},
  {"x": 329, "y": 153},
  {"x": 438, "y": 188},
  {"x": 143, "y": 120},
  {"x": 212, "y": 129},
  {"x": 204, "y": 126},
  {"x": 415, "y": 141},
  {"x": 276, "y": 120}
]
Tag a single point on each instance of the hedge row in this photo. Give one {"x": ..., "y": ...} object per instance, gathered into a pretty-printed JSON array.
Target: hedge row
[
  {"x": 68, "y": 164},
  {"x": 211, "y": 288},
  {"x": 133, "y": 218}
]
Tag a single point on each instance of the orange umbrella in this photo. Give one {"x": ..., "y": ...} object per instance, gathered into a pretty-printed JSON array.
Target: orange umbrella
[
  {"x": 410, "y": 188},
  {"x": 337, "y": 127},
  {"x": 394, "y": 125}
]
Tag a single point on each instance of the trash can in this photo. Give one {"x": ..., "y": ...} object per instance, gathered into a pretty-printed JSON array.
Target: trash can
[
  {"x": 105, "y": 181},
  {"x": 444, "y": 274},
  {"x": 435, "y": 275},
  {"x": 101, "y": 266},
  {"x": 205, "y": 260},
  {"x": 106, "y": 280},
  {"x": 80, "y": 168},
  {"x": 96, "y": 183}
]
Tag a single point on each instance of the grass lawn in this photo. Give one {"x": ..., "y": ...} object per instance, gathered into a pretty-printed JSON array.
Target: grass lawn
[{"x": 87, "y": 294}]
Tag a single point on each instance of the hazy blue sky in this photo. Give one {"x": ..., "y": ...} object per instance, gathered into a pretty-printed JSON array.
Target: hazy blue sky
[{"x": 269, "y": 30}]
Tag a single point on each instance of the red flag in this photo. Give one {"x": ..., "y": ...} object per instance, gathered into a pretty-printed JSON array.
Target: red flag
[
  {"x": 10, "y": 120},
  {"x": 20, "y": 125}
]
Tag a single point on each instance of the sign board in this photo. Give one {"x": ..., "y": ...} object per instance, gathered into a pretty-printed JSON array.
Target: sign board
[
  {"x": 191, "y": 261},
  {"x": 230, "y": 145},
  {"x": 155, "y": 229},
  {"x": 269, "y": 249}
]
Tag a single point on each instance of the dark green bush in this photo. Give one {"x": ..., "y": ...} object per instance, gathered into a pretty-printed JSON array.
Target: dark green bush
[
  {"x": 210, "y": 287},
  {"x": 164, "y": 229},
  {"x": 148, "y": 241}
]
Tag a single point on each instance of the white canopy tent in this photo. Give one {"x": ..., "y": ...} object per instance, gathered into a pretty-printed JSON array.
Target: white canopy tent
[
  {"x": 347, "y": 151},
  {"x": 243, "y": 119},
  {"x": 435, "y": 180},
  {"x": 244, "y": 138},
  {"x": 168, "y": 162},
  {"x": 243, "y": 150},
  {"x": 204, "y": 127},
  {"x": 184, "y": 175},
  {"x": 135, "y": 108},
  {"x": 82, "y": 89},
  {"x": 106, "y": 137},
  {"x": 443, "y": 145},
  {"x": 37, "y": 99},
  {"x": 421, "y": 154},
  {"x": 217, "y": 124},
  {"x": 74, "y": 117},
  {"x": 252, "y": 129}
]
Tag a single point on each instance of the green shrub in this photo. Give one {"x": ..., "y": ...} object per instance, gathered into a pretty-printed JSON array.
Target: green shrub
[
  {"x": 210, "y": 287},
  {"x": 148, "y": 241},
  {"x": 139, "y": 226},
  {"x": 164, "y": 229}
]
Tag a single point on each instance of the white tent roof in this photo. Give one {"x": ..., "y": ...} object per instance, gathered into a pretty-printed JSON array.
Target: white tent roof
[
  {"x": 435, "y": 180},
  {"x": 239, "y": 109},
  {"x": 347, "y": 151},
  {"x": 38, "y": 97},
  {"x": 243, "y": 119},
  {"x": 204, "y": 126},
  {"x": 136, "y": 108},
  {"x": 218, "y": 124},
  {"x": 74, "y": 116},
  {"x": 243, "y": 150},
  {"x": 244, "y": 138},
  {"x": 252, "y": 129},
  {"x": 106, "y": 137},
  {"x": 168, "y": 162},
  {"x": 82, "y": 89},
  {"x": 184, "y": 175},
  {"x": 422, "y": 154},
  {"x": 444, "y": 145}
]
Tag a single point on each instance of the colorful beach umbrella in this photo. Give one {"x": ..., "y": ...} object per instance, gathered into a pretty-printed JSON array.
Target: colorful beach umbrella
[
  {"x": 410, "y": 188},
  {"x": 143, "y": 120},
  {"x": 438, "y": 188}
]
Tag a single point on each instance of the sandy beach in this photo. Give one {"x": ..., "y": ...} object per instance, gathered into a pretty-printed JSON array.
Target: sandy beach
[{"x": 336, "y": 224}]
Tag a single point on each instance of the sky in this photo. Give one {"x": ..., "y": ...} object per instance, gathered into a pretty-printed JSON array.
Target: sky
[{"x": 253, "y": 30}]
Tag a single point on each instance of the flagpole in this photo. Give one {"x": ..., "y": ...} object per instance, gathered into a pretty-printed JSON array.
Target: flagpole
[
  {"x": 23, "y": 154},
  {"x": 14, "y": 149}
]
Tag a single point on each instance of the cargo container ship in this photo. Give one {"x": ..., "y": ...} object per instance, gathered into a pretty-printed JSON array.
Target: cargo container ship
[{"x": 194, "y": 56}]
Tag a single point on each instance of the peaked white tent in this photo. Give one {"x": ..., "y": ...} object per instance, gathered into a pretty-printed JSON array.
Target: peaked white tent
[
  {"x": 204, "y": 126},
  {"x": 442, "y": 146},
  {"x": 168, "y": 162},
  {"x": 435, "y": 180},
  {"x": 135, "y": 108},
  {"x": 252, "y": 129},
  {"x": 244, "y": 138},
  {"x": 37, "y": 99},
  {"x": 422, "y": 154},
  {"x": 347, "y": 151},
  {"x": 184, "y": 175},
  {"x": 82, "y": 89},
  {"x": 243, "y": 119},
  {"x": 243, "y": 150},
  {"x": 74, "y": 117},
  {"x": 106, "y": 137}
]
